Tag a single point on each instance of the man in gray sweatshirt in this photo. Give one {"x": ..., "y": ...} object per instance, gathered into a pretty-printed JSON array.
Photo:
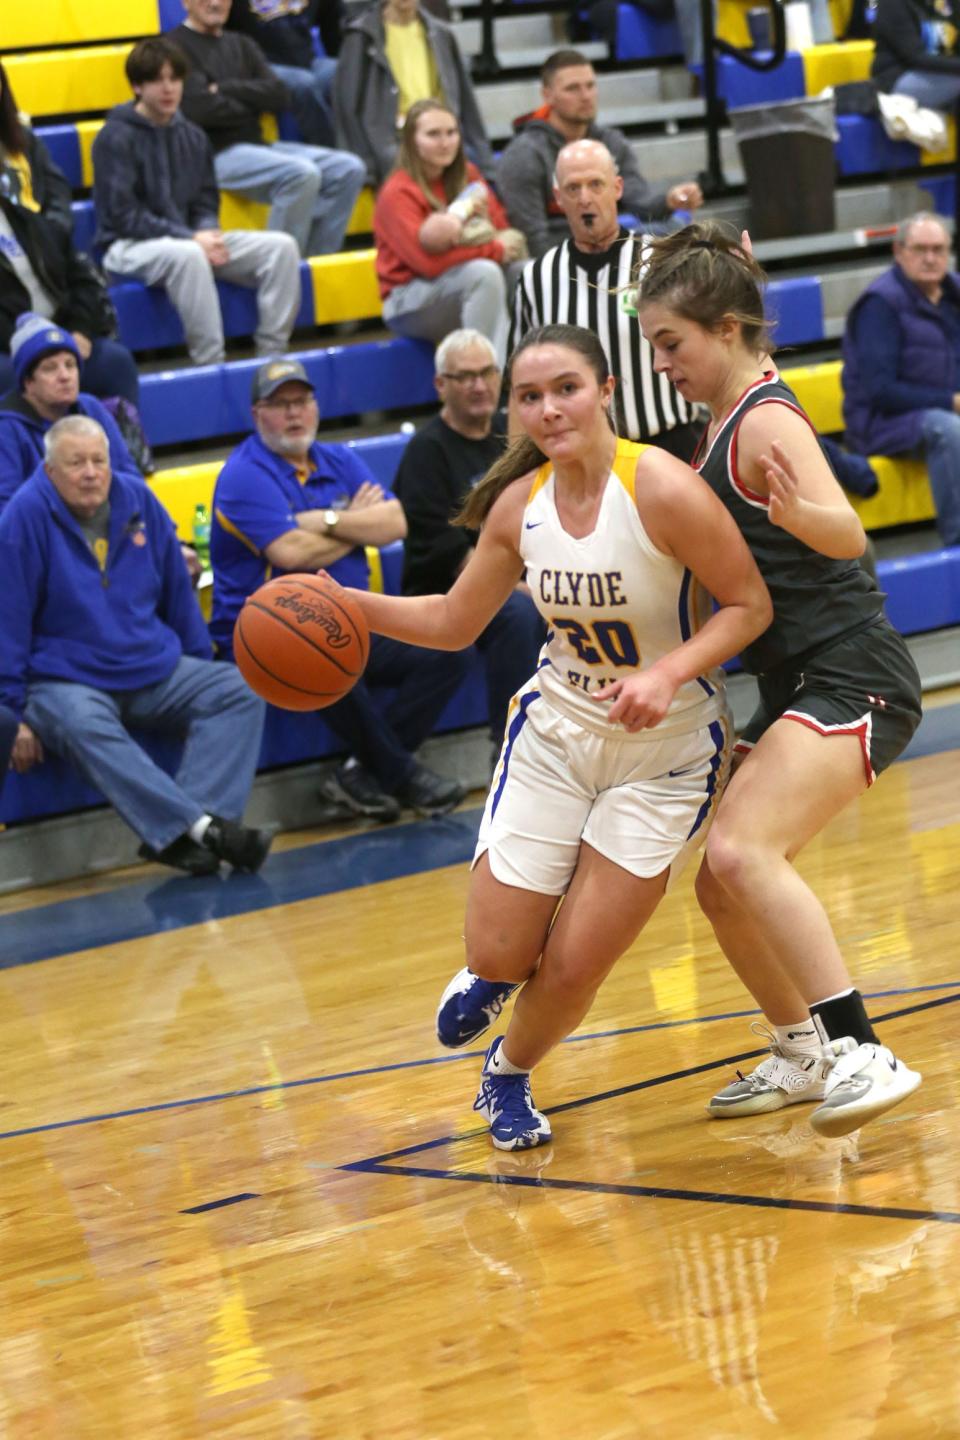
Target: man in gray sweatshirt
[
  {"x": 157, "y": 207},
  {"x": 568, "y": 113}
]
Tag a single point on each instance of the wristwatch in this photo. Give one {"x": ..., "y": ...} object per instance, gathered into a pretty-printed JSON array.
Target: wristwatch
[{"x": 331, "y": 519}]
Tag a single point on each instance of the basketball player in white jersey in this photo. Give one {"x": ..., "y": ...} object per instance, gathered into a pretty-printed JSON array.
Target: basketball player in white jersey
[{"x": 616, "y": 750}]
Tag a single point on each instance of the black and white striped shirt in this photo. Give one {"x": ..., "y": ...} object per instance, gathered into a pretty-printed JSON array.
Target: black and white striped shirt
[{"x": 567, "y": 286}]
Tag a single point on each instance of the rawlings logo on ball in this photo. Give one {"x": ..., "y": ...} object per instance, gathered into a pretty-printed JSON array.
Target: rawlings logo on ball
[{"x": 308, "y": 612}]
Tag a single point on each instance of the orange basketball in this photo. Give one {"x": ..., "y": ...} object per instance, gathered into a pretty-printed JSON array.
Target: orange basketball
[{"x": 301, "y": 642}]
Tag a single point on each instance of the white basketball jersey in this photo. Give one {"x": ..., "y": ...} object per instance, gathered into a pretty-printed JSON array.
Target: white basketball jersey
[{"x": 613, "y": 605}]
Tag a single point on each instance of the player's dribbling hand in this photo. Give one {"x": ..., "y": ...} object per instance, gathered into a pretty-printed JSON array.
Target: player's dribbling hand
[
  {"x": 640, "y": 702},
  {"x": 784, "y": 487}
]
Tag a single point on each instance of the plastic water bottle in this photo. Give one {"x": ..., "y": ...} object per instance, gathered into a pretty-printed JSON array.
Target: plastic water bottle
[{"x": 201, "y": 535}]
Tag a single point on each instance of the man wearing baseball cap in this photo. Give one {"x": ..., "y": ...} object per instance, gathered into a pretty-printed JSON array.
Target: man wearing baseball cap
[
  {"x": 46, "y": 366},
  {"x": 284, "y": 503}
]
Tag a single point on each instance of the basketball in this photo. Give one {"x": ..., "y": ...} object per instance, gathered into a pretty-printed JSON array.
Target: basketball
[{"x": 301, "y": 642}]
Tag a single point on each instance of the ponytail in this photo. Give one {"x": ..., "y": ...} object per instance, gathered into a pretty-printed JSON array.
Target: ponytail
[{"x": 520, "y": 457}]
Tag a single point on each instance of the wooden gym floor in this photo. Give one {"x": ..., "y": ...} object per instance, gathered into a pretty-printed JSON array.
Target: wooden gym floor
[{"x": 244, "y": 1193}]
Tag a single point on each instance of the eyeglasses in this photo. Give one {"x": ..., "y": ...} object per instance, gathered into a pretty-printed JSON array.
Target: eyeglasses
[
  {"x": 928, "y": 249},
  {"x": 299, "y": 402},
  {"x": 463, "y": 377}
]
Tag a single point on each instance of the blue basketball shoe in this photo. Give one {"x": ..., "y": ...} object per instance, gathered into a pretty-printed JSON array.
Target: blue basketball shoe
[
  {"x": 469, "y": 1006},
  {"x": 515, "y": 1122}
]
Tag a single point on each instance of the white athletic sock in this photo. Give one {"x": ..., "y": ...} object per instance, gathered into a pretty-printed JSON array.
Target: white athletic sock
[
  {"x": 199, "y": 828},
  {"x": 800, "y": 1039},
  {"x": 500, "y": 1065}
]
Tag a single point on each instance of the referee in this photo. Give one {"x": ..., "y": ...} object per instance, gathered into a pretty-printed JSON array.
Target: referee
[{"x": 588, "y": 280}]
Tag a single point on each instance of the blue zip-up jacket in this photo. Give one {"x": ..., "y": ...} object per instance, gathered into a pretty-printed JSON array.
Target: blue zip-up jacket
[
  {"x": 899, "y": 359},
  {"x": 21, "y": 441},
  {"x": 119, "y": 628}
]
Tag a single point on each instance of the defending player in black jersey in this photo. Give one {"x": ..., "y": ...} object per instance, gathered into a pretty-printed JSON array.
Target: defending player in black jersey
[{"x": 839, "y": 693}]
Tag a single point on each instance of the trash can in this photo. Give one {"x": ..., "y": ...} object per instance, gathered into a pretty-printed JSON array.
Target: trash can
[{"x": 788, "y": 159}]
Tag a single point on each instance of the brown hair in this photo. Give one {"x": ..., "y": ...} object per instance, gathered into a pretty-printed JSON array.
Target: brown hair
[
  {"x": 522, "y": 455},
  {"x": 561, "y": 60},
  {"x": 703, "y": 273},
  {"x": 148, "y": 57},
  {"x": 11, "y": 131},
  {"x": 454, "y": 178}
]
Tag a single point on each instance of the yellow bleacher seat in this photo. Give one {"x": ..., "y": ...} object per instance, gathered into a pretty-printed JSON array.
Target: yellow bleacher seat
[
  {"x": 67, "y": 82},
  {"x": 904, "y": 496},
  {"x": 180, "y": 490},
  {"x": 345, "y": 287},
  {"x": 239, "y": 213},
  {"x": 838, "y": 64},
  {"x": 59, "y": 22}
]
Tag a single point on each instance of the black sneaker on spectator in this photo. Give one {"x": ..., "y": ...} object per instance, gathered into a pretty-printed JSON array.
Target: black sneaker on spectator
[
  {"x": 353, "y": 787},
  {"x": 183, "y": 854},
  {"x": 241, "y": 846},
  {"x": 429, "y": 793}
]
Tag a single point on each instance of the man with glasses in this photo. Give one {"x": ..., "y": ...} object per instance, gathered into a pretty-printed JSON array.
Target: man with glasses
[
  {"x": 285, "y": 504},
  {"x": 440, "y": 465},
  {"x": 901, "y": 364}
]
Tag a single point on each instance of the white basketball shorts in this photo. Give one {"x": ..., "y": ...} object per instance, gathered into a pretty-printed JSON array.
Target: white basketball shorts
[{"x": 644, "y": 804}]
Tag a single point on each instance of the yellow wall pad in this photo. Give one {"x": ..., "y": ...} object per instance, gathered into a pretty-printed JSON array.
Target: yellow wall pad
[
  {"x": 344, "y": 287},
  {"x": 58, "y": 22},
  {"x": 825, "y": 65},
  {"x": 63, "y": 82}
]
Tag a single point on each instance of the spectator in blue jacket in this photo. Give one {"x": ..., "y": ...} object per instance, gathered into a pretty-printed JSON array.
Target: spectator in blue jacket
[
  {"x": 901, "y": 364},
  {"x": 101, "y": 631},
  {"x": 46, "y": 366},
  {"x": 285, "y": 503}
]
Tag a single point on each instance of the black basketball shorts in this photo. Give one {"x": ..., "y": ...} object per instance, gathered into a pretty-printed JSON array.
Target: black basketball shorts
[{"x": 864, "y": 684}]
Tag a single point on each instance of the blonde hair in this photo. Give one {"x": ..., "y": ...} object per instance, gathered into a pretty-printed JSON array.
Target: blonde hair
[
  {"x": 454, "y": 178},
  {"x": 703, "y": 273},
  {"x": 522, "y": 455}
]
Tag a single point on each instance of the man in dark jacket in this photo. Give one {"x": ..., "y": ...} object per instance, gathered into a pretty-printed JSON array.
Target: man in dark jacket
[
  {"x": 46, "y": 363},
  {"x": 913, "y": 55},
  {"x": 311, "y": 190},
  {"x": 157, "y": 210},
  {"x": 283, "y": 29},
  {"x": 101, "y": 631},
  {"x": 569, "y": 112},
  {"x": 440, "y": 465},
  {"x": 901, "y": 364},
  {"x": 285, "y": 503},
  {"x": 384, "y": 50},
  {"x": 41, "y": 271}
]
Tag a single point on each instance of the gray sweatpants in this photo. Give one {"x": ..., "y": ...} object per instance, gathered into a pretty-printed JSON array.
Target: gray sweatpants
[
  {"x": 472, "y": 296},
  {"x": 266, "y": 261}
]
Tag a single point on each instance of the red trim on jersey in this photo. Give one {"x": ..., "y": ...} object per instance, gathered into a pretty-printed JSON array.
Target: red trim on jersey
[
  {"x": 861, "y": 728},
  {"x": 768, "y": 377},
  {"x": 753, "y": 497}
]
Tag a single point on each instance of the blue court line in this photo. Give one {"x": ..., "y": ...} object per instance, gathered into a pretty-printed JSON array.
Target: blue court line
[
  {"x": 219, "y": 1204},
  {"x": 630, "y": 1089},
  {"x": 461, "y": 1055},
  {"x": 325, "y": 867},
  {"x": 658, "y": 1192},
  {"x": 151, "y": 907}
]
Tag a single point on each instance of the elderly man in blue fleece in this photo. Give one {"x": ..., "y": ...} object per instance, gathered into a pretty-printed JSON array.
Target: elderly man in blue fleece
[
  {"x": 46, "y": 365},
  {"x": 100, "y": 632}
]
